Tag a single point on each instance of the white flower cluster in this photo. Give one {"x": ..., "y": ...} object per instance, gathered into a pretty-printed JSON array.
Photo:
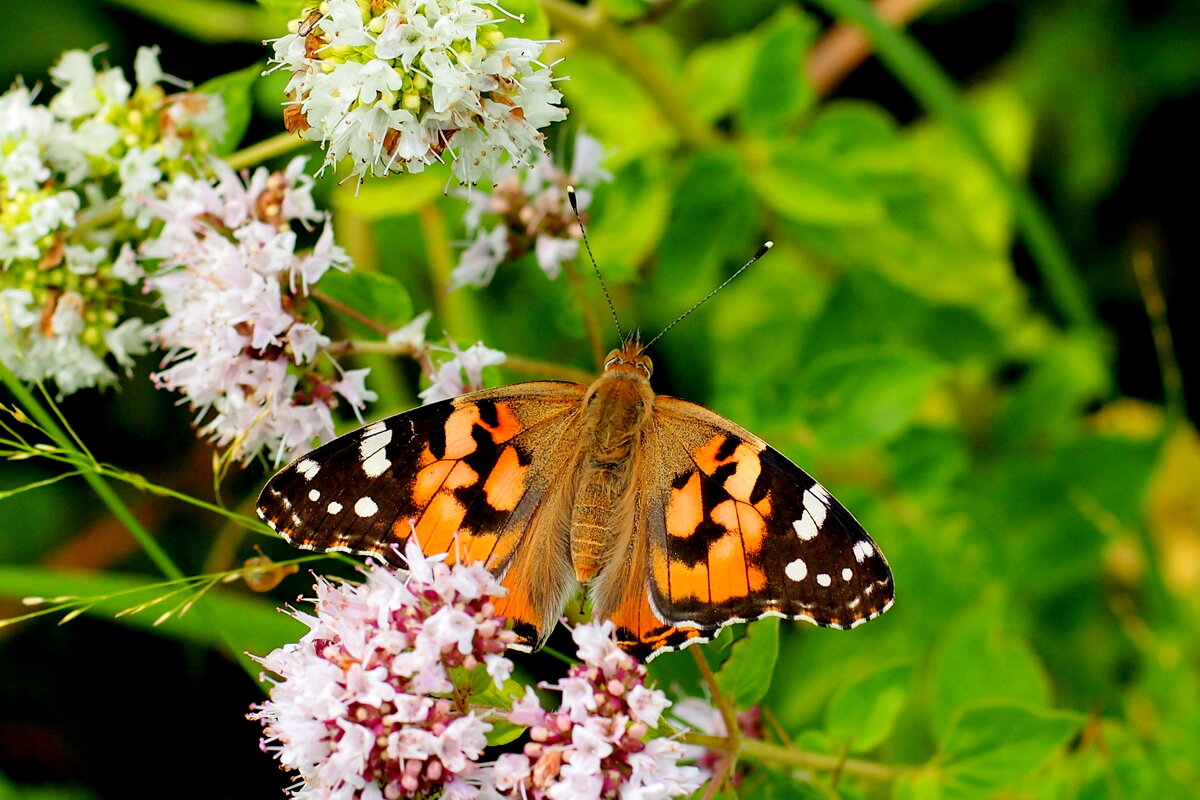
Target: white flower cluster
[
  {"x": 72, "y": 175},
  {"x": 461, "y": 373},
  {"x": 362, "y": 707},
  {"x": 595, "y": 746},
  {"x": 395, "y": 84},
  {"x": 534, "y": 212},
  {"x": 239, "y": 343}
]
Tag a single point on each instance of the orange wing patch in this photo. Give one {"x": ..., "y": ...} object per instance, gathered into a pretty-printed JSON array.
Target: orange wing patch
[
  {"x": 642, "y": 633},
  {"x": 505, "y": 486}
]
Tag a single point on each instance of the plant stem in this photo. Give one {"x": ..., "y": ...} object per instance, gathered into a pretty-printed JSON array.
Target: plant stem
[
  {"x": 359, "y": 317},
  {"x": 844, "y": 46},
  {"x": 547, "y": 369},
  {"x": 457, "y": 310},
  {"x": 930, "y": 85},
  {"x": 733, "y": 731},
  {"x": 1156, "y": 310},
  {"x": 783, "y": 754},
  {"x": 766, "y": 751},
  {"x": 278, "y": 145}
]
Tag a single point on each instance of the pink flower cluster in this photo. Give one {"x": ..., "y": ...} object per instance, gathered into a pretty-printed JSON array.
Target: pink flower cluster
[
  {"x": 366, "y": 706},
  {"x": 240, "y": 337},
  {"x": 376, "y": 700},
  {"x": 595, "y": 746}
]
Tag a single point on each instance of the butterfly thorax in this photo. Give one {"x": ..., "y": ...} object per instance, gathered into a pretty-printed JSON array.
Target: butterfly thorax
[{"x": 615, "y": 409}]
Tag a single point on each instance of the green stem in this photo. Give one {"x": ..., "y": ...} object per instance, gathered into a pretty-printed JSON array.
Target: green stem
[
  {"x": 759, "y": 750},
  {"x": 930, "y": 85},
  {"x": 278, "y": 145},
  {"x": 766, "y": 751},
  {"x": 590, "y": 27},
  {"x": 116, "y": 506}
]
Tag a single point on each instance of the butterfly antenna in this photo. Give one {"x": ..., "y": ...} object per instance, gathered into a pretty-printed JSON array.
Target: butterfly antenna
[
  {"x": 762, "y": 251},
  {"x": 595, "y": 266}
]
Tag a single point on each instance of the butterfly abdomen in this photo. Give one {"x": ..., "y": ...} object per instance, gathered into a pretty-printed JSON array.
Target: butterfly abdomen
[{"x": 616, "y": 408}]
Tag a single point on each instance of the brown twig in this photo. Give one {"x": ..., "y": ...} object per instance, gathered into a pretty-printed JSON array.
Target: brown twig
[
  {"x": 349, "y": 312},
  {"x": 1160, "y": 328},
  {"x": 844, "y": 47},
  {"x": 733, "y": 731},
  {"x": 589, "y": 318}
]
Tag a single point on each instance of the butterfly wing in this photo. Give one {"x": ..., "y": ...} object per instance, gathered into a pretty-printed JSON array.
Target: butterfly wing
[
  {"x": 735, "y": 532},
  {"x": 473, "y": 477}
]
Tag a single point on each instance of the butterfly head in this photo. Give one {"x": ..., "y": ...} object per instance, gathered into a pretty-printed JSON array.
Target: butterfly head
[{"x": 630, "y": 356}]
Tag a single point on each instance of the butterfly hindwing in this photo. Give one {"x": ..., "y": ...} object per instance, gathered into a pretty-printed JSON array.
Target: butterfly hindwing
[
  {"x": 738, "y": 532},
  {"x": 471, "y": 477}
]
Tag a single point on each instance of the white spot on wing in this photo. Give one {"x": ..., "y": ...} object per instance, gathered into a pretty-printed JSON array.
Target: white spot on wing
[
  {"x": 824, "y": 579},
  {"x": 375, "y": 442},
  {"x": 847, "y": 574},
  {"x": 816, "y": 503},
  {"x": 374, "y": 428},
  {"x": 377, "y": 463},
  {"x": 796, "y": 570},
  {"x": 863, "y": 550},
  {"x": 335, "y": 507},
  {"x": 365, "y": 507},
  {"x": 805, "y": 528},
  {"x": 314, "y": 495},
  {"x": 308, "y": 469},
  {"x": 816, "y": 506}
]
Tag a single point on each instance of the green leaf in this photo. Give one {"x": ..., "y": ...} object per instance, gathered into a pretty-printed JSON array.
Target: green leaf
[
  {"x": 252, "y": 623},
  {"x": 940, "y": 152},
  {"x": 864, "y": 395},
  {"x": 503, "y": 732},
  {"x": 613, "y": 102},
  {"x": 715, "y": 74},
  {"x": 813, "y": 191},
  {"x": 627, "y": 220},
  {"x": 485, "y": 692},
  {"x": 625, "y": 10},
  {"x": 236, "y": 92},
  {"x": 1068, "y": 373},
  {"x": 996, "y": 746},
  {"x": 980, "y": 662},
  {"x": 376, "y": 296},
  {"x": 709, "y": 222},
  {"x": 862, "y": 714},
  {"x": 746, "y": 676},
  {"x": 776, "y": 92},
  {"x": 207, "y": 20},
  {"x": 678, "y": 672}
]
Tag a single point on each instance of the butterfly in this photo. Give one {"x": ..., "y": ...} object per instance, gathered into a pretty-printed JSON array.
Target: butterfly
[{"x": 677, "y": 521}]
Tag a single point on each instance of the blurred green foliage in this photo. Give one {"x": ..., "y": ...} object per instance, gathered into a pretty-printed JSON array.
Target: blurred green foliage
[{"x": 1042, "y": 524}]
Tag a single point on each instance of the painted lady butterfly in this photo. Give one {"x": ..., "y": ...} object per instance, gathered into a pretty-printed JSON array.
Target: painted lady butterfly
[{"x": 676, "y": 520}]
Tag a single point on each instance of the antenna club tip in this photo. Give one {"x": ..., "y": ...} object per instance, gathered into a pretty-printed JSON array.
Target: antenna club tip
[
  {"x": 573, "y": 201},
  {"x": 762, "y": 251},
  {"x": 767, "y": 245}
]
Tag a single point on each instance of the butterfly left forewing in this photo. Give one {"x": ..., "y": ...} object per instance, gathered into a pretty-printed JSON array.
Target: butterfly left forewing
[
  {"x": 472, "y": 477},
  {"x": 737, "y": 532}
]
